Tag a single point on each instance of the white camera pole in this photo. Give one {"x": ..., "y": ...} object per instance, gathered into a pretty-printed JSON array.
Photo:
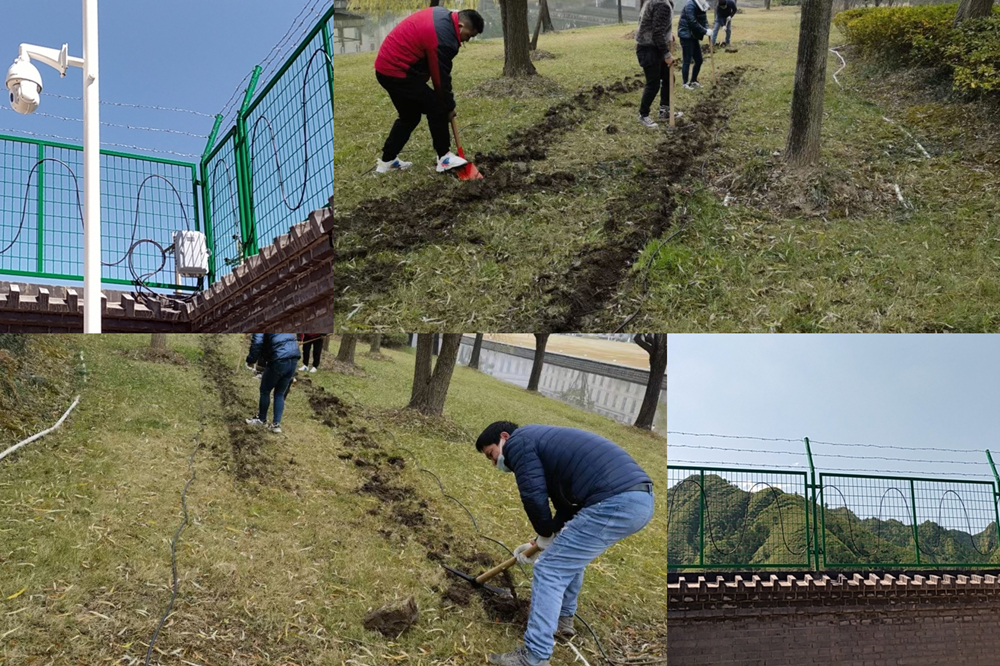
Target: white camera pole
[{"x": 91, "y": 173}]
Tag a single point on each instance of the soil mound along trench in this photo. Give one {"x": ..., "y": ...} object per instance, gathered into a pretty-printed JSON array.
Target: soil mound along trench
[
  {"x": 579, "y": 293},
  {"x": 405, "y": 511},
  {"x": 429, "y": 214},
  {"x": 251, "y": 454}
]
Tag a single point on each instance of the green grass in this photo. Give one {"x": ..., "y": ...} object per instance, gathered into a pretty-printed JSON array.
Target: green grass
[
  {"x": 829, "y": 249},
  {"x": 282, "y": 571}
]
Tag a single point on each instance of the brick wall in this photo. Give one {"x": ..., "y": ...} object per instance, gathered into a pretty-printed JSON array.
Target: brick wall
[{"x": 875, "y": 621}]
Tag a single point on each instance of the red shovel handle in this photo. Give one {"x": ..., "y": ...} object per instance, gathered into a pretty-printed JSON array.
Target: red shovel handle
[{"x": 454, "y": 129}]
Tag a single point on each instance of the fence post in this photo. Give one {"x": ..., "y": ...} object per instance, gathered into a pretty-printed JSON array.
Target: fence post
[
  {"x": 701, "y": 521},
  {"x": 244, "y": 179},
  {"x": 329, "y": 59},
  {"x": 206, "y": 199},
  {"x": 913, "y": 503},
  {"x": 40, "y": 188},
  {"x": 812, "y": 474},
  {"x": 996, "y": 495}
]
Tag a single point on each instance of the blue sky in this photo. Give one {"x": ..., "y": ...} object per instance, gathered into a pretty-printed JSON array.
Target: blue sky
[
  {"x": 889, "y": 390},
  {"x": 182, "y": 54}
]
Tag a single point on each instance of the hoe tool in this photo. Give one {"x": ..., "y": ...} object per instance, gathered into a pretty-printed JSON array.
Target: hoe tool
[
  {"x": 480, "y": 580},
  {"x": 467, "y": 171}
]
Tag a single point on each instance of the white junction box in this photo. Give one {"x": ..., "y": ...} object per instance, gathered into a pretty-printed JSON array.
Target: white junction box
[{"x": 190, "y": 253}]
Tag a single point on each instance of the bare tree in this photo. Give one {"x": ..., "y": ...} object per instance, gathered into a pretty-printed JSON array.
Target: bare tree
[
  {"x": 620, "y": 19},
  {"x": 158, "y": 341},
  {"x": 767, "y": 4},
  {"x": 543, "y": 11},
  {"x": 970, "y": 9},
  {"x": 348, "y": 343},
  {"x": 516, "y": 44},
  {"x": 541, "y": 339},
  {"x": 810, "y": 81},
  {"x": 655, "y": 345},
  {"x": 477, "y": 347},
  {"x": 437, "y": 344},
  {"x": 431, "y": 388},
  {"x": 376, "y": 344}
]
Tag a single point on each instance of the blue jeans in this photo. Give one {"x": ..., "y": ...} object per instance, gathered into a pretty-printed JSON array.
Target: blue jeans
[
  {"x": 277, "y": 377},
  {"x": 715, "y": 31},
  {"x": 558, "y": 572}
]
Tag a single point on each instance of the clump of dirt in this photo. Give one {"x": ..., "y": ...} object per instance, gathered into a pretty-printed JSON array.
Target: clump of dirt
[
  {"x": 732, "y": 50},
  {"x": 539, "y": 54},
  {"x": 458, "y": 593},
  {"x": 521, "y": 87},
  {"x": 383, "y": 489},
  {"x": 392, "y": 621},
  {"x": 409, "y": 517},
  {"x": 575, "y": 296},
  {"x": 629, "y": 35},
  {"x": 611, "y": 129},
  {"x": 345, "y": 369},
  {"x": 361, "y": 462},
  {"x": 378, "y": 357},
  {"x": 559, "y": 177},
  {"x": 396, "y": 462},
  {"x": 504, "y": 609}
]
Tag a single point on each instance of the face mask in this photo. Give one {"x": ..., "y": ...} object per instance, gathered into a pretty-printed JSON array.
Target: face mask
[{"x": 502, "y": 467}]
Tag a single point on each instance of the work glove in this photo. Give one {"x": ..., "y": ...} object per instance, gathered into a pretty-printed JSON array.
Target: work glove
[
  {"x": 250, "y": 367},
  {"x": 540, "y": 541}
]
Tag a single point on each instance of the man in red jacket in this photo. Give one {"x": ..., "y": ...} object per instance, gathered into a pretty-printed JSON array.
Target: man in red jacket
[{"x": 422, "y": 47}]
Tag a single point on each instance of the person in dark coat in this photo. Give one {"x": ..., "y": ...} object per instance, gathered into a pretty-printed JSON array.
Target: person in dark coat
[
  {"x": 601, "y": 496},
  {"x": 724, "y": 12},
  {"x": 282, "y": 356},
  {"x": 313, "y": 342},
  {"x": 652, "y": 48},
  {"x": 422, "y": 47},
  {"x": 693, "y": 25}
]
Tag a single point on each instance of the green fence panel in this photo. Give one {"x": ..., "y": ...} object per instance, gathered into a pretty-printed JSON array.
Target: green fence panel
[
  {"x": 894, "y": 521},
  {"x": 220, "y": 190},
  {"x": 728, "y": 518},
  {"x": 143, "y": 201}
]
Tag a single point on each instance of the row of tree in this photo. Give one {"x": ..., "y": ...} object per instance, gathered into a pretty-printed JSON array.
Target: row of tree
[{"x": 431, "y": 380}]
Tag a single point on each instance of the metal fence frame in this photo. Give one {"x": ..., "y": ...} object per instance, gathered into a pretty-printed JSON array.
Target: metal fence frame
[{"x": 815, "y": 510}]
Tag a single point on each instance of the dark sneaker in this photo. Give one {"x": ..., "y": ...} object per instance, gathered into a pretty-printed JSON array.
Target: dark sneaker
[
  {"x": 648, "y": 122},
  {"x": 519, "y": 657},
  {"x": 565, "y": 628}
]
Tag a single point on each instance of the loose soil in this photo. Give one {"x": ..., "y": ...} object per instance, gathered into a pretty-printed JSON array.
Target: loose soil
[
  {"x": 393, "y": 621},
  {"x": 576, "y": 295}
]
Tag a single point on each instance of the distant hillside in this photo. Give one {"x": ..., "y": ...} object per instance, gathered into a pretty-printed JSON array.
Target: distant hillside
[{"x": 766, "y": 525}]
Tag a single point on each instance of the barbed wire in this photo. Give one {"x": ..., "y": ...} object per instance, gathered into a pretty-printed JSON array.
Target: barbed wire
[
  {"x": 708, "y": 434},
  {"x": 103, "y": 143},
  {"x": 107, "y": 124},
  {"x": 828, "y": 455},
  {"x": 672, "y": 461},
  {"x": 134, "y": 106},
  {"x": 811, "y": 441}
]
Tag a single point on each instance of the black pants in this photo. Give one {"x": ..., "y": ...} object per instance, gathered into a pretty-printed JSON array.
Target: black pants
[
  {"x": 413, "y": 99},
  {"x": 317, "y": 348},
  {"x": 657, "y": 81},
  {"x": 692, "y": 51}
]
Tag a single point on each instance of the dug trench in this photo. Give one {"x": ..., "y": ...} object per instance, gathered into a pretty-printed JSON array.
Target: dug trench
[
  {"x": 575, "y": 298},
  {"x": 379, "y": 229},
  {"x": 406, "y": 516},
  {"x": 252, "y": 453}
]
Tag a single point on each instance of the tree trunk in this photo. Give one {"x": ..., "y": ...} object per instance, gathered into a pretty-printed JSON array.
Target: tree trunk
[
  {"x": 810, "y": 81},
  {"x": 422, "y": 369},
  {"x": 620, "y": 19},
  {"x": 541, "y": 339},
  {"x": 326, "y": 343},
  {"x": 767, "y": 4},
  {"x": 516, "y": 43},
  {"x": 538, "y": 28},
  {"x": 655, "y": 345},
  {"x": 348, "y": 343},
  {"x": 437, "y": 344},
  {"x": 376, "y": 344},
  {"x": 970, "y": 9},
  {"x": 429, "y": 399},
  {"x": 543, "y": 11},
  {"x": 158, "y": 341},
  {"x": 477, "y": 347},
  {"x": 847, "y": 5}
]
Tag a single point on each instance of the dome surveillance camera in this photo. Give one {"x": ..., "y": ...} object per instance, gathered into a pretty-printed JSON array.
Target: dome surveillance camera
[{"x": 25, "y": 85}]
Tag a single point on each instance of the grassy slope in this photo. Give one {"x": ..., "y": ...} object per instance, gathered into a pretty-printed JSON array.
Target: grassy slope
[
  {"x": 860, "y": 261},
  {"x": 278, "y": 572}
]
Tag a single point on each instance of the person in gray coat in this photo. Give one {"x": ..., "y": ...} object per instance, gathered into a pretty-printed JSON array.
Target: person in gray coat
[{"x": 652, "y": 48}]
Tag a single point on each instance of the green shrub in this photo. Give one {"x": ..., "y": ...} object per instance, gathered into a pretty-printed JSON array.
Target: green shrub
[{"x": 924, "y": 36}]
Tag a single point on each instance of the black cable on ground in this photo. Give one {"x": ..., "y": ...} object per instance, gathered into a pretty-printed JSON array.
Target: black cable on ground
[{"x": 177, "y": 534}]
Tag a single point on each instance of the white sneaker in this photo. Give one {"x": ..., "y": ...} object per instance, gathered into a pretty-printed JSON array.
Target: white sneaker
[
  {"x": 312, "y": 370},
  {"x": 254, "y": 421},
  {"x": 648, "y": 122},
  {"x": 450, "y": 161},
  {"x": 665, "y": 113},
  {"x": 303, "y": 368},
  {"x": 695, "y": 84},
  {"x": 274, "y": 427},
  {"x": 688, "y": 86},
  {"x": 395, "y": 165}
]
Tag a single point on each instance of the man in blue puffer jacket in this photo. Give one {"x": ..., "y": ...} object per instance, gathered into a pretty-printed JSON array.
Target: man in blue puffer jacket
[
  {"x": 692, "y": 26},
  {"x": 601, "y": 496},
  {"x": 281, "y": 351},
  {"x": 724, "y": 13}
]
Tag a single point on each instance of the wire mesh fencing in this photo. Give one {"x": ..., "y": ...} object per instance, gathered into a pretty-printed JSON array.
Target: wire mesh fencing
[{"x": 143, "y": 201}]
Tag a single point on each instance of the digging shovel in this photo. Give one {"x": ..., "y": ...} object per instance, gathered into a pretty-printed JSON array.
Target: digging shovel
[
  {"x": 711, "y": 54},
  {"x": 467, "y": 171},
  {"x": 480, "y": 580}
]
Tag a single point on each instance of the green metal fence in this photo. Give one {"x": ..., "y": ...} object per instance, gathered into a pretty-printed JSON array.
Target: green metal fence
[
  {"x": 143, "y": 201},
  {"x": 275, "y": 165},
  {"x": 736, "y": 518}
]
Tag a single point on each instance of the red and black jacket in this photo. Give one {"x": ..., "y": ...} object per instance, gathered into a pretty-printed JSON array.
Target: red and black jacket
[{"x": 422, "y": 46}]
